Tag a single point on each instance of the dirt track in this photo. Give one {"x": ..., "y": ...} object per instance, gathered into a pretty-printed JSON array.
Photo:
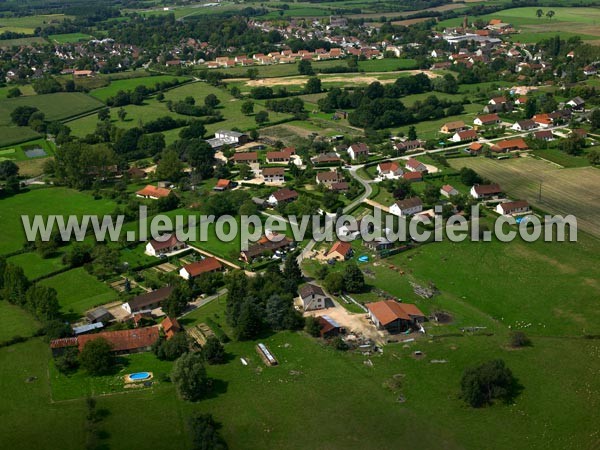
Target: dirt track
[{"x": 350, "y": 78}]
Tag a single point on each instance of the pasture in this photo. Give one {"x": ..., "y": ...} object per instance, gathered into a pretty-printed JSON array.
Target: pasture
[
  {"x": 28, "y": 24},
  {"x": 564, "y": 191},
  {"x": 35, "y": 266},
  {"x": 44, "y": 201},
  {"x": 79, "y": 291},
  {"x": 69, "y": 38},
  {"x": 18, "y": 322},
  {"x": 129, "y": 84}
]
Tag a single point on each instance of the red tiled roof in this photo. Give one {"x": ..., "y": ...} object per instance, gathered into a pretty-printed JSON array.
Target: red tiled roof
[
  {"x": 413, "y": 163},
  {"x": 223, "y": 183},
  {"x": 489, "y": 118},
  {"x": 343, "y": 248},
  {"x": 391, "y": 166},
  {"x": 153, "y": 191},
  {"x": 208, "y": 264},
  {"x": 271, "y": 171},
  {"x": 123, "y": 340},
  {"x": 487, "y": 189},
  {"x": 412, "y": 176},
  {"x": 170, "y": 327},
  {"x": 284, "y": 194},
  {"x": 389, "y": 310},
  {"x": 170, "y": 242},
  {"x": 245, "y": 156},
  {"x": 64, "y": 342}
]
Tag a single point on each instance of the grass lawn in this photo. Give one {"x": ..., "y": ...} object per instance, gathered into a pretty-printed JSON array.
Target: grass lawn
[
  {"x": 36, "y": 266},
  {"x": 44, "y": 201},
  {"x": 387, "y": 64},
  {"x": 69, "y": 38},
  {"x": 18, "y": 322},
  {"x": 79, "y": 291},
  {"x": 562, "y": 158}
]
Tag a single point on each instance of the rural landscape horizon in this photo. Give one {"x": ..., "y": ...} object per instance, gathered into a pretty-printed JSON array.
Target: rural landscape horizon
[{"x": 307, "y": 224}]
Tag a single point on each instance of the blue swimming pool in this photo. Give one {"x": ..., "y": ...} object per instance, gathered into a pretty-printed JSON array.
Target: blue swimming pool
[{"x": 138, "y": 376}]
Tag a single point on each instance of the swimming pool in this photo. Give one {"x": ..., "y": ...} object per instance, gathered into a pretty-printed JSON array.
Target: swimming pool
[{"x": 139, "y": 376}]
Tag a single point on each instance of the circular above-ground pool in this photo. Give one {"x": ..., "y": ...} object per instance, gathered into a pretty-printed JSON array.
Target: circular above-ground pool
[{"x": 138, "y": 376}]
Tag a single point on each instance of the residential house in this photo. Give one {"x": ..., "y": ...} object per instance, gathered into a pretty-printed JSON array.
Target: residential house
[
  {"x": 124, "y": 341},
  {"x": 165, "y": 245},
  {"x": 464, "y": 136},
  {"x": 498, "y": 100},
  {"x": 543, "y": 135},
  {"x": 512, "y": 208},
  {"x": 266, "y": 245},
  {"x": 577, "y": 103},
  {"x": 340, "y": 251},
  {"x": 341, "y": 186},
  {"x": 197, "y": 268},
  {"x": 415, "y": 166},
  {"x": 245, "y": 158},
  {"x": 589, "y": 70},
  {"x": 273, "y": 174},
  {"x": 281, "y": 196},
  {"x": 407, "y": 207},
  {"x": 487, "y": 119},
  {"x": 543, "y": 120},
  {"x": 326, "y": 158},
  {"x": 480, "y": 191},
  {"x": 170, "y": 327},
  {"x": 413, "y": 176},
  {"x": 313, "y": 297},
  {"x": 147, "y": 301},
  {"x": 227, "y": 137},
  {"x": 389, "y": 170},
  {"x": 453, "y": 127},
  {"x": 524, "y": 125},
  {"x": 280, "y": 157},
  {"x": 136, "y": 173},
  {"x": 406, "y": 146},
  {"x": 153, "y": 192},
  {"x": 448, "y": 191},
  {"x": 328, "y": 178},
  {"x": 475, "y": 148},
  {"x": 224, "y": 184},
  {"x": 359, "y": 150},
  {"x": 509, "y": 145},
  {"x": 393, "y": 316}
]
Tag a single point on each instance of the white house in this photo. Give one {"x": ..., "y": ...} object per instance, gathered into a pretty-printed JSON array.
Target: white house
[
  {"x": 407, "y": 207},
  {"x": 164, "y": 246},
  {"x": 512, "y": 208},
  {"x": 415, "y": 166},
  {"x": 358, "y": 150},
  {"x": 480, "y": 191},
  {"x": 524, "y": 125},
  {"x": 464, "y": 136},
  {"x": 448, "y": 191},
  {"x": 313, "y": 297},
  {"x": 390, "y": 170},
  {"x": 282, "y": 196},
  {"x": 197, "y": 268}
]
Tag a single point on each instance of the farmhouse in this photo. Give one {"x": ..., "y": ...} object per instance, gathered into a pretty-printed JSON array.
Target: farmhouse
[
  {"x": 284, "y": 195},
  {"x": 313, "y": 297},
  {"x": 512, "y": 208},
  {"x": 167, "y": 244},
  {"x": 124, "y": 341},
  {"x": 340, "y": 251},
  {"x": 170, "y": 327},
  {"x": 389, "y": 170},
  {"x": 359, "y": 150},
  {"x": 487, "y": 119},
  {"x": 197, "y": 268},
  {"x": 509, "y": 145},
  {"x": 524, "y": 125},
  {"x": 415, "y": 166},
  {"x": 480, "y": 191},
  {"x": 407, "y": 207},
  {"x": 453, "y": 127},
  {"x": 147, "y": 301},
  {"x": 393, "y": 316},
  {"x": 448, "y": 191},
  {"x": 273, "y": 174},
  {"x": 245, "y": 158},
  {"x": 463, "y": 136},
  {"x": 153, "y": 192}
]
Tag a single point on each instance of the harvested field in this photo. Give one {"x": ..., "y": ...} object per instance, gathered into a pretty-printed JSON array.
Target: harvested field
[{"x": 564, "y": 191}]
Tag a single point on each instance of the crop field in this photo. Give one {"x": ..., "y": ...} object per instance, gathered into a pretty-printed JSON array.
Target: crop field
[
  {"x": 79, "y": 291},
  {"x": 564, "y": 191},
  {"x": 10, "y": 135},
  {"x": 568, "y": 22},
  {"x": 44, "y": 201},
  {"x": 129, "y": 85},
  {"x": 58, "y": 106}
]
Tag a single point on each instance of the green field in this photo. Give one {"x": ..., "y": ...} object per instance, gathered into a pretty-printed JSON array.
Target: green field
[
  {"x": 10, "y": 135},
  {"x": 69, "y": 38},
  {"x": 17, "y": 152},
  {"x": 562, "y": 158},
  {"x": 35, "y": 266},
  {"x": 58, "y": 106},
  {"x": 387, "y": 65},
  {"x": 29, "y": 41},
  {"x": 18, "y": 322},
  {"x": 129, "y": 85},
  {"x": 28, "y": 24},
  {"x": 79, "y": 291},
  {"x": 44, "y": 201},
  {"x": 25, "y": 90}
]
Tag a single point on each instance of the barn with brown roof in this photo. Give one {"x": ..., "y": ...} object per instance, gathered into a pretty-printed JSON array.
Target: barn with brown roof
[
  {"x": 393, "y": 316},
  {"x": 124, "y": 341}
]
